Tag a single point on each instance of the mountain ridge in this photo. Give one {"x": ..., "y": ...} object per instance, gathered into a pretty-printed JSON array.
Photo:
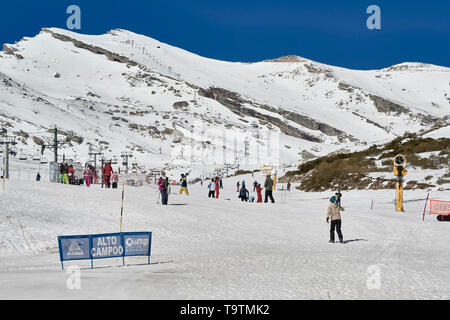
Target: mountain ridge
[{"x": 158, "y": 82}]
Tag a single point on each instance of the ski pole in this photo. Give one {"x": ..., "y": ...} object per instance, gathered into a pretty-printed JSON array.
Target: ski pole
[{"x": 121, "y": 209}]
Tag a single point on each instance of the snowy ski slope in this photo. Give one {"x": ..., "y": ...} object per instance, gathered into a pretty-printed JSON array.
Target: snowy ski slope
[{"x": 224, "y": 249}]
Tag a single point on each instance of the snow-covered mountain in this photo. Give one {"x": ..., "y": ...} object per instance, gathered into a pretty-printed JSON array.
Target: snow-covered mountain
[{"x": 126, "y": 92}]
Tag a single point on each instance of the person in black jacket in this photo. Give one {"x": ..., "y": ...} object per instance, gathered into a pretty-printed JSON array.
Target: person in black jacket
[
  {"x": 268, "y": 184},
  {"x": 244, "y": 194}
]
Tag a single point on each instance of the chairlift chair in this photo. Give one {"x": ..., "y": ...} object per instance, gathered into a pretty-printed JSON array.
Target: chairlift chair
[{"x": 22, "y": 156}]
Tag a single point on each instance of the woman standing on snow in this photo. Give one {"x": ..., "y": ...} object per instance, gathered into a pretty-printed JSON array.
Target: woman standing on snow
[
  {"x": 335, "y": 215},
  {"x": 163, "y": 185}
]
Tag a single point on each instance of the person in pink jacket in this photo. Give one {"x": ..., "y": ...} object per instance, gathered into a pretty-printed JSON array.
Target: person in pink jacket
[
  {"x": 163, "y": 185},
  {"x": 87, "y": 177},
  {"x": 114, "y": 180}
]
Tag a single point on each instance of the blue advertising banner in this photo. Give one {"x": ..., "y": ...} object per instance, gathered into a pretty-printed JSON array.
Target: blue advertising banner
[
  {"x": 101, "y": 246},
  {"x": 107, "y": 246},
  {"x": 75, "y": 248},
  {"x": 137, "y": 244}
]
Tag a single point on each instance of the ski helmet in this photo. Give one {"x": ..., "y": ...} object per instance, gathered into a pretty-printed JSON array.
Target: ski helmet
[{"x": 333, "y": 199}]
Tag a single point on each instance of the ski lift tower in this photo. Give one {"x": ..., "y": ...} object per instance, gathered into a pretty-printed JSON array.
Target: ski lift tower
[
  {"x": 95, "y": 154},
  {"x": 125, "y": 155},
  {"x": 7, "y": 141}
]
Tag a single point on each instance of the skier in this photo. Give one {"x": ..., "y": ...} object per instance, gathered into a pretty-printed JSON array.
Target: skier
[
  {"x": 289, "y": 186},
  {"x": 237, "y": 186},
  {"x": 163, "y": 184},
  {"x": 338, "y": 197},
  {"x": 255, "y": 184},
  {"x": 220, "y": 182},
  {"x": 258, "y": 191},
  {"x": 87, "y": 176},
  {"x": 70, "y": 174},
  {"x": 94, "y": 179},
  {"x": 335, "y": 215},
  {"x": 115, "y": 180},
  {"x": 107, "y": 171},
  {"x": 183, "y": 181},
  {"x": 61, "y": 173},
  {"x": 65, "y": 173},
  {"x": 38, "y": 177},
  {"x": 244, "y": 194},
  {"x": 269, "y": 188},
  {"x": 252, "y": 198},
  {"x": 211, "y": 188},
  {"x": 217, "y": 186}
]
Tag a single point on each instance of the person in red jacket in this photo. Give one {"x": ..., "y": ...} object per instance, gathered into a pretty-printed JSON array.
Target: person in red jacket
[
  {"x": 70, "y": 174},
  {"x": 107, "y": 172},
  {"x": 258, "y": 191},
  {"x": 217, "y": 184}
]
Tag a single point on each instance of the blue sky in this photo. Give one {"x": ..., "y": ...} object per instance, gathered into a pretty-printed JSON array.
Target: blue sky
[{"x": 332, "y": 32}]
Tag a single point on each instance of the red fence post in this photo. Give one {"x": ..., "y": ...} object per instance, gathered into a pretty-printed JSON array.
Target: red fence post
[{"x": 424, "y": 209}]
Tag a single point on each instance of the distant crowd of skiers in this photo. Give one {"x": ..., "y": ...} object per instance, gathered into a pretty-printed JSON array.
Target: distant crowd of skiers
[
  {"x": 216, "y": 183},
  {"x": 89, "y": 176},
  {"x": 269, "y": 186}
]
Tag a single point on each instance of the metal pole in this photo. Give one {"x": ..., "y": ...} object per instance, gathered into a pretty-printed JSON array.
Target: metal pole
[
  {"x": 55, "y": 144},
  {"x": 102, "y": 171},
  {"x": 7, "y": 161},
  {"x": 95, "y": 163},
  {"x": 4, "y": 168},
  {"x": 121, "y": 209}
]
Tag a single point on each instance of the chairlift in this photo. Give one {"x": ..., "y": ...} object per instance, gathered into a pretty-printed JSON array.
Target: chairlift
[
  {"x": 37, "y": 157},
  {"x": 22, "y": 156}
]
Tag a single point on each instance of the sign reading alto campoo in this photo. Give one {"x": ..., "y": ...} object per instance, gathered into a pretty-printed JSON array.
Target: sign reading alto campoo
[{"x": 101, "y": 246}]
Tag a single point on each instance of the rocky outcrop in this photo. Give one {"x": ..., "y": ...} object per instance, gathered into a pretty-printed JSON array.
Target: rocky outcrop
[
  {"x": 306, "y": 121},
  {"x": 346, "y": 87},
  {"x": 387, "y": 106},
  {"x": 12, "y": 51},
  {"x": 235, "y": 103},
  {"x": 288, "y": 58},
  {"x": 94, "y": 49}
]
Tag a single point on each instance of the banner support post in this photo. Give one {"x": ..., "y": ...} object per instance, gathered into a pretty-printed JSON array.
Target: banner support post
[{"x": 121, "y": 209}]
